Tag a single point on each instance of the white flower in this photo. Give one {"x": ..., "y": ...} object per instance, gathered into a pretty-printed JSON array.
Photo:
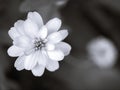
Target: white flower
[
  {"x": 103, "y": 52},
  {"x": 36, "y": 45}
]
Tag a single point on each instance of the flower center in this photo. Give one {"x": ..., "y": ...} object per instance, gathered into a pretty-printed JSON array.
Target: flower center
[{"x": 39, "y": 43}]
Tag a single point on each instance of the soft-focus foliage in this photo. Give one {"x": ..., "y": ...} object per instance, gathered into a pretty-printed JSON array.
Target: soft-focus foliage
[{"x": 47, "y": 8}]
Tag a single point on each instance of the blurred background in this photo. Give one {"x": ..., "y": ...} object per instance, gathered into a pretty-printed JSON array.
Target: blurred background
[{"x": 94, "y": 34}]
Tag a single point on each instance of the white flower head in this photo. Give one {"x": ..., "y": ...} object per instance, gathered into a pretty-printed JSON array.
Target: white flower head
[
  {"x": 36, "y": 45},
  {"x": 102, "y": 52}
]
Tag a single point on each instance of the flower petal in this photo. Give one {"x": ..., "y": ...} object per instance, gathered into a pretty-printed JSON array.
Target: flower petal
[
  {"x": 30, "y": 61},
  {"x": 42, "y": 33},
  {"x": 52, "y": 65},
  {"x": 19, "y": 63},
  {"x": 53, "y": 25},
  {"x": 13, "y": 33},
  {"x": 38, "y": 70},
  {"x": 22, "y": 42},
  {"x": 64, "y": 33},
  {"x": 50, "y": 46},
  {"x": 29, "y": 50},
  {"x": 57, "y": 36},
  {"x": 15, "y": 51},
  {"x": 64, "y": 47},
  {"x": 19, "y": 27},
  {"x": 31, "y": 29},
  {"x": 42, "y": 58},
  {"x": 56, "y": 55},
  {"x": 54, "y": 37},
  {"x": 35, "y": 17}
]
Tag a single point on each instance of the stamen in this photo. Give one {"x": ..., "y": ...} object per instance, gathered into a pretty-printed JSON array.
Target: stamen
[{"x": 39, "y": 43}]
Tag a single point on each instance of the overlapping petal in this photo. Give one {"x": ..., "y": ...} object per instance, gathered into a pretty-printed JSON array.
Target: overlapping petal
[
  {"x": 31, "y": 28},
  {"x": 31, "y": 61},
  {"x": 36, "y": 18},
  {"x": 19, "y": 26},
  {"x": 19, "y": 63},
  {"x": 53, "y": 25},
  {"x": 52, "y": 65},
  {"x": 42, "y": 59},
  {"x": 63, "y": 33},
  {"x": 13, "y": 33},
  {"x": 50, "y": 46},
  {"x": 38, "y": 70},
  {"x": 56, "y": 37},
  {"x": 56, "y": 55},
  {"x": 22, "y": 42},
  {"x": 42, "y": 33},
  {"x": 15, "y": 51},
  {"x": 64, "y": 47}
]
